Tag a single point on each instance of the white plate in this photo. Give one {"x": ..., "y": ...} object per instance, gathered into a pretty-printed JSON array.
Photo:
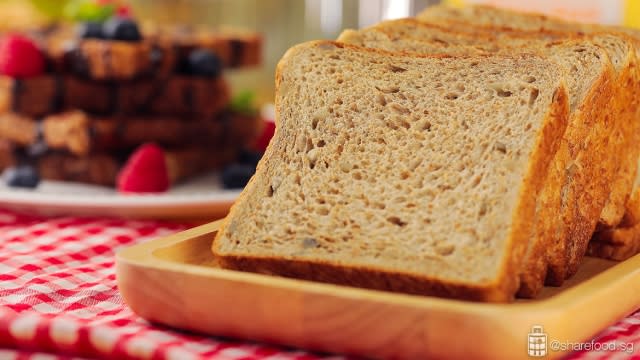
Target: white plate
[{"x": 200, "y": 198}]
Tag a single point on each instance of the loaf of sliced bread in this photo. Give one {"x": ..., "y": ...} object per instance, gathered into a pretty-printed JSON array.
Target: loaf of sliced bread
[
  {"x": 480, "y": 17},
  {"x": 589, "y": 78},
  {"x": 400, "y": 172}
]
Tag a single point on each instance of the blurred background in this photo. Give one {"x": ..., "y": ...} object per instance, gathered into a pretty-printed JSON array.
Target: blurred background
[
  {"x": 284, "y": 23},
  {"x": 166, "y": 79}
]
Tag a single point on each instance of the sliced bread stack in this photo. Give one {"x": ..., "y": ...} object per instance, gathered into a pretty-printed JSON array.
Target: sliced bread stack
[
  {"x": 618, "y": 233},
  {"x": 580, "y": 180},
  {"x": 410, "y": 157}
]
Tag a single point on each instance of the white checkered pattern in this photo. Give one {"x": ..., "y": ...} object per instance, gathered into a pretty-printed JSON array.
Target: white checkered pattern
[{"x": 58, "y": 296}]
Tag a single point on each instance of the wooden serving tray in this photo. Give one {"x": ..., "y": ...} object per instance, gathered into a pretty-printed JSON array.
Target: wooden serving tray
[{"x": 175, "y": 281}]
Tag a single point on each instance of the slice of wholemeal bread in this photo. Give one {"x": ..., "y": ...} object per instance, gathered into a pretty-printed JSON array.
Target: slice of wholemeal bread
[
  {"x": 623, "y": 145},
  {"x": 400, "y": 172},
  {"x": 492, "y": 16},
  {"x": 480, "y": 16},
  {"x": 561, "y": 209},
  {"x": 399, "y": 36}
]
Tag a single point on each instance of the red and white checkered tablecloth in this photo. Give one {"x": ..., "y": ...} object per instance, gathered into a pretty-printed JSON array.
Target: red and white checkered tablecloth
[{"x": 58, "y": 299}]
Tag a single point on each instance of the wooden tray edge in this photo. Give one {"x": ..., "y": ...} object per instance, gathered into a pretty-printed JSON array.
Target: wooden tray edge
[{"x": 557, "y": 313}]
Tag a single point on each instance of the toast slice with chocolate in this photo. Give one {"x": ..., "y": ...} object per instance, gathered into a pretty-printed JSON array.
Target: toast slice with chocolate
[
  {"x": 160, "y": 52},
  {"x": 80, "y": 133},
  {"x": 176, "y": 95}
]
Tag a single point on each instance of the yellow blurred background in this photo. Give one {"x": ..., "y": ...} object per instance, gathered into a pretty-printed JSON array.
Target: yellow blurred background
[{"x": 612, "y": 12}]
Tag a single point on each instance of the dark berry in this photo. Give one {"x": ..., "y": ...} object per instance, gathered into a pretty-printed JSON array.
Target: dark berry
[
  {"x": 156, "y": 56},
  {"x": 120, "y": 28},
  {"x": 203, "y": 62},
  {"x": 90, "y": 30},
  {"x": 249, "y": 157},
  {"x": 37, "y": 149},
  {"x": 24, "y": 176},
  {"x": 236, "y": 176}
]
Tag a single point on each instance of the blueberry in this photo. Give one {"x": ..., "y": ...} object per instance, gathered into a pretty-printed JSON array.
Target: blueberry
[
  {"x": 203, "y": 62},
  {"x": 37, "y": 149},
  {"x": 249, "y": 157},
  {"x": 120, "y": 28},
  {"x": 236, "y": 176},
  {"x": 24, "y": 176},
  {"x": 156, "y": 56},
  {"x": 90, "y": 30}
]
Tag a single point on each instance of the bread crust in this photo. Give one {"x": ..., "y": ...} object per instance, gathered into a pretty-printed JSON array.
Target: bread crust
[
  {"x": 632, "y": 212},
  {"x": 622, "y": 242},
  {"x": 622, "y": 144},
  {"x": 447, "y": 12},
  {"x": 500, "y": 289},
  {"x": 628, "y": 93},
  {"x": 369, "y": 278},
  {"x": 616, "y": 244},
  {"x": 585, "y": 184}
]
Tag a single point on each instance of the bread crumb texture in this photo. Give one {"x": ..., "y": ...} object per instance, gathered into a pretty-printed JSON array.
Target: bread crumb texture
[{"x": 394, "y": 162}]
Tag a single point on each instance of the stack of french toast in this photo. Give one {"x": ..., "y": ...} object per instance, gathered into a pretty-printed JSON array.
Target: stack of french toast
[
  {"x": 475, "y": 153},
  {"x": 77, "y": 100}
]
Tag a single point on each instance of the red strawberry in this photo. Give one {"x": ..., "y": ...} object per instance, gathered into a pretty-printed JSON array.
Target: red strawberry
[
  {"x": 145, "y": 171},
  {"x": 123, "y": 11},
  {"x": 20, "y": 57},
  {"x": 267, "y": 133}
]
